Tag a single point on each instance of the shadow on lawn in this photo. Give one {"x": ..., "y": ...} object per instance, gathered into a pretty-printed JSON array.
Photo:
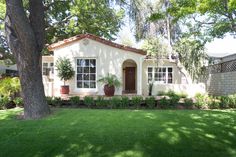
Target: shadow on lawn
[{"x": 148, "y": 134}]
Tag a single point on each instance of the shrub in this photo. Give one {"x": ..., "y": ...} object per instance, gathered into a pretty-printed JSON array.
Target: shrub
[
  {"x": 101, "y": 102},
  {"x": 9, "y": 86},
  {"x": 228, "y": 101},
  {"x": 75, "y": 100},
  {"x": 57, "y": 101},
  {"x": 136, "y": 101},
  {"x": 188, "y": 102},
  {"x": 174, "y": 100},
  {"x": 213, "y": 103},
  {"x": 124, "y": 102},
  {"x": 225, "y": 102},
  {"x": 10, "y": 105},
  {"x": 116, "y": 102},
  {"x": 49, "y": 100},
  {"x": 19, "y": 101},
  {"x": 164, "y": 102},
  {"x": 201, "y": 101},
  {"x": 88, "y": 101},
  {"x": 232, "y": 99},
  {"x": 150, "y": 102},
  {"x": 161, "y": 93},
  {"x": 170, "y": 93},
  {"x": 4, "y": 101},
  {"x": 182, "y": 95}
]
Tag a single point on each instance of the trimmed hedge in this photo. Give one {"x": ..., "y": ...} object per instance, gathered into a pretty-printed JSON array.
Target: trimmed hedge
[{"x": 172, "y": 101}]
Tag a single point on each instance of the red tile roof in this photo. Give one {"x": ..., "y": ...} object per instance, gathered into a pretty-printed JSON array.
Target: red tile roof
[{"x": 96, "y": 38}]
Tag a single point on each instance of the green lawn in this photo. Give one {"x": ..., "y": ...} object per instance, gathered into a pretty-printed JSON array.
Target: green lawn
[{"x": 120, "y": 133}]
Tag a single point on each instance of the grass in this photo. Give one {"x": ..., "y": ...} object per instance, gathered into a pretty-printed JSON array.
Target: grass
[{"x": 120, "y": 133}]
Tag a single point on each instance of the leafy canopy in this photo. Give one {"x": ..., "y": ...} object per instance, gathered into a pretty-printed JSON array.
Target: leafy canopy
[{"x": 65, "y": 18}]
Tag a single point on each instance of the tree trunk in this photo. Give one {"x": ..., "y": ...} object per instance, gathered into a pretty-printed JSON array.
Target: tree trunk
[{"x": 26, "y": 40}]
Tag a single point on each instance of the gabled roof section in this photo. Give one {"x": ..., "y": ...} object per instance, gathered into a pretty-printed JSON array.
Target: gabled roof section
[{"x": 95, "y": 38}]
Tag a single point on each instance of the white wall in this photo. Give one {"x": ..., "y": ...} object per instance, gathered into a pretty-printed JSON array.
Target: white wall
[
  {"x": 108, "y": 60},
  {"x": 190, "y": 89}
]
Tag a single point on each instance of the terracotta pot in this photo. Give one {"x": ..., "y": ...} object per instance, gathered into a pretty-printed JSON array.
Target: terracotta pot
[
  {"x": 65, "y": 90},
  {"x": 109, "y": 90}
]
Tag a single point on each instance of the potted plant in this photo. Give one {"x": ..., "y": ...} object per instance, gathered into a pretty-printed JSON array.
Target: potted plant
[
  {"x": 110, "y": 83},
  {"x": 65, "y": 73}
]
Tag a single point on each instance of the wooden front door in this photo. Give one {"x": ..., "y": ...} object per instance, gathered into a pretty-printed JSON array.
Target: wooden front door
[{"x": 130, "y": 79}]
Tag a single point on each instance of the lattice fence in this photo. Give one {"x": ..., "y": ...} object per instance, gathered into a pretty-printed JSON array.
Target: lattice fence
[{"x": 222, "y": 67}]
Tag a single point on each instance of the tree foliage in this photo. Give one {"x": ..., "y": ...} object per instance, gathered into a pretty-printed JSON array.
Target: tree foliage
[
  {"x": 214, "y": 17},
  {"x": 68, "y": 18},
  {"x": 65, "y": 18},
  {"x": 192, "y": 55},
  {"x": 155, "y": 47}
]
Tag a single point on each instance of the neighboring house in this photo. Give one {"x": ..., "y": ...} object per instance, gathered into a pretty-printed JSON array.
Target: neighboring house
[
  {"x": 8, "y": 70},
  {"x": 220, "y": 77},
  {"x": 93, "y": 57}
]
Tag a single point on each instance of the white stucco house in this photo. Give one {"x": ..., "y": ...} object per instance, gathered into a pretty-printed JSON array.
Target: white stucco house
[{"x": 93, "y": 57}]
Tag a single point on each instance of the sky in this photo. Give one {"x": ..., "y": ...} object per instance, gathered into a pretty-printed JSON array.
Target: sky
[{"x": 222, "y": 47}]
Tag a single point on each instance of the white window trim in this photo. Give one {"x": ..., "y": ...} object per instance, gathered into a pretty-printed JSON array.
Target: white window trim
[
  {"x": 48, "y": 66},
  {"x": 87, "y": 90},
  {"x": 153, "y": 73}
]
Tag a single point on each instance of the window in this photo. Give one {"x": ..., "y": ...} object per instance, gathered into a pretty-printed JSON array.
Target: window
[
  {"x": 86, "y": 73},
  {"x": 160, "y": 74},
  {"x": 47, "y": 67}
]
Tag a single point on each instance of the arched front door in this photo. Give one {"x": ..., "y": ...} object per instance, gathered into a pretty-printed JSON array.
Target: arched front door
[{"x": 129, "y": 76}]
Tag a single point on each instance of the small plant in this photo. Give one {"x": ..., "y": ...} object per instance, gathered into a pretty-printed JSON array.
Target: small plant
[
  {"x": 110, "y": 83},
  {"x": 174, "y": 100},
  {"x": 201, "y": 101},
  {"x": 161, "y": 93},
  {"x": 101, "y": 102},
  {"x": 136, "y": 101},
  {"x": 150, "y": 102},
  {"x": 4, "y": 101},
  {"x": 65, "y": 69},
  {"x": 213, "y": 102},
  {"x": 170, "y": 93},
  {"x": 88, "y": 101},
  {"x": 164, "y": 102},
  {"x": 18, "y": 101},
  {"x": 182, "y": 95},
  {"x": 9, "y": 86},
  {"x": 116, "y": 102},
  {"x": 65, "y": 73},
  {"x": 125, "y": 102},
  {"x": 232, "y": 101},
  {"x": 57, "y": 101},
  {"x": 188, "y": 102},
  {"x": 228, "y": 101},
  {"x": 49, "y": 100},
  {"x": 75, "y": 100}
]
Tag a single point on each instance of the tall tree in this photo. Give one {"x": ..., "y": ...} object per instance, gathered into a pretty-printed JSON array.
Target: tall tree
[
  {"x": 192, "y": 55},
  {"x": 26, "y": 38},
  {"x": 65, "y": 18}
]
